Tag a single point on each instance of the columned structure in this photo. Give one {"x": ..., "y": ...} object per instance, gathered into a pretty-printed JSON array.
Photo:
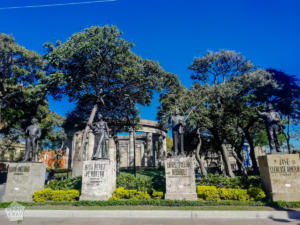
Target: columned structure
[
  {"x": 148, "y": 142},
  {"x": 150, "y": 145}
]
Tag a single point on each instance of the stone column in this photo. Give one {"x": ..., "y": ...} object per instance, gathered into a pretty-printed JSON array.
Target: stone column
[
  {"x": 112, "y": 152},
  {"x": 162, "y": 149},
  {"x": 149, "y": 149},
  {"x": 154, "y": 151},
  {"x": 77, "y": 155},
  {"x": 142, "y": 154},
  {"x": 131, "y": 148}
]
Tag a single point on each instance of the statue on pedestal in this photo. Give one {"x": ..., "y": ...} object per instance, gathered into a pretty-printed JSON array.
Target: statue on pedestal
[
  {"x": 178, "y": 123},
  {"x": 101, "y": 132},
  {"x": 32, "y": 133},
  {"x": 272, "y": 120}
]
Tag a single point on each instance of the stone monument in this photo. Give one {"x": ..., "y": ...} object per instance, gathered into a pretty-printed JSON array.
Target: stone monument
[
  {"x": 280, "y": 174},
  {"x": 99, "y": 173},
  {"x": 179, "y": 169},
  {"x": 23, "y": 179},
  {"x": 180, "y": 178},
  {"x": 98, "y": 179}
]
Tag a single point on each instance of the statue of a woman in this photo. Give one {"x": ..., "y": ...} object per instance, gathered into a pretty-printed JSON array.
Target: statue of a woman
[{"x": 101, "y": 132}]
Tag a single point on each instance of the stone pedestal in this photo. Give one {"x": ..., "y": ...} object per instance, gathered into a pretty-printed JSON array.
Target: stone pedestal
[
  {"x": 280, "y": 174},
  {"x": 23, "y": 179},
  {"x": 98, "y": 179},
  {"x": 180, "y": 179}
]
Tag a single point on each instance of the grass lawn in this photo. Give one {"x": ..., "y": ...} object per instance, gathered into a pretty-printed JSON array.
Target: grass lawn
[{"x": 70, "y": 207}]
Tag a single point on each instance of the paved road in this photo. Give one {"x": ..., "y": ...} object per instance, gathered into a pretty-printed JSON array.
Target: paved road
[{"x": 118, "y": 221}]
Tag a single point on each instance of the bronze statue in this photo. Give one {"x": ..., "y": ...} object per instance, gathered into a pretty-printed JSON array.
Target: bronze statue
[
  {"x": 178, "y": 123},
  {"x": 101, "y": 132},
  {"x": 32, "y": 133},
  {"x": 272, "y": 120}
]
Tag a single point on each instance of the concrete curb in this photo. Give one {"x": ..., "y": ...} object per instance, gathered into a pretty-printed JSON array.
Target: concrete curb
[{"x": 167, "y": 214}]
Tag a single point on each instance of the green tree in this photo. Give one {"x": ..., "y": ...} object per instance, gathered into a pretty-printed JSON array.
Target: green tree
[
  {"x": 20, "y": 70},
  {"x": 23, "y": 94},
  {"x": 220, "y": 104},
  {"x": 97, "y": 69},
  {"x": 213, "y": 71},
  {"x": 286, "y": 97}
]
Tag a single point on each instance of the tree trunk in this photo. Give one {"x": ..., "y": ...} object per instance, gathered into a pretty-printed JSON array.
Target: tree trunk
[
  {"x": 1, "y": 124},
  {"x": 225, "y": 157},
  {"x": 288, "y": 137},
  {"x": 82, "y": 154},
  {"x": 240, "y": 161},
  {"x": 198, "y": 155},
  {"x": 252, "y": 152}
]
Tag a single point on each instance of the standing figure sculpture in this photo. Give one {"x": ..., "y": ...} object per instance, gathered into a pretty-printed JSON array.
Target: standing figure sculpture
[
  {"x": 178, "y": 123},
  {"x": 101, "y": 132},
  {"x": 272, "y": 120},
  {"x": 32, "y": 133}
]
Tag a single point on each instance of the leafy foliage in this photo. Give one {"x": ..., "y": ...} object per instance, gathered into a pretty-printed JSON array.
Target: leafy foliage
[
  {"x": 139, "y": 183},
  {"x": 219, "y": 181},
  {"x": 212, "y": 193},
  {"x": 66, "y": 184},
  {"x": 122, "y": 193},
  {"x": 97, "y": 67},
  {"x": 55, "y": 195}
]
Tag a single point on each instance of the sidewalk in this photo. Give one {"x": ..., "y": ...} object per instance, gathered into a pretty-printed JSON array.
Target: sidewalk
[{"x": 163, "y": 214}]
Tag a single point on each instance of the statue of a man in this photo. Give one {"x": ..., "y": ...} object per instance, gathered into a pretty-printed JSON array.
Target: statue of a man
[
  {"x": 101, "y": 132},
  {"x": 32, "y": 133},
  {"x": 272, "y": 120},
  {"x": 178, "y": 123}
]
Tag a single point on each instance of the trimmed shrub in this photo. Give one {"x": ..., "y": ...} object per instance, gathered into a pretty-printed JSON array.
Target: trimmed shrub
[
  {"x": 233, "y": 194},
  {"x": 130, "y": 182},
  {"x": 66, "y": 184},
  {"x": 213, "y": 193},
  {"x": 256, "y": 194},
  {"x": 122, "y": 193},
  {"x": 157, "y": 194},
  {"x": 209, "y": 193},
  {"x": 220, "y": 181},
  {"x": 55, "y": 195}
]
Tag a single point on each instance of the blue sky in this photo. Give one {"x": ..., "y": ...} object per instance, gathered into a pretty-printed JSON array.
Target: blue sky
[{"x": 171, "y": 32}]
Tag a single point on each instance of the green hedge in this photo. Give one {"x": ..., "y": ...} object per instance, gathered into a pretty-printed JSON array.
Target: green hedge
[
  {"x": 170, "y": 203},
  {"x": 220, "y": 181},
  {"x": 59, "y": 170},
  {"x": 212, "y": 193},
  {"x": 65, "y": 184},
  {"x": 55, "y": 195},
  {"x": 130, "y": 182}
]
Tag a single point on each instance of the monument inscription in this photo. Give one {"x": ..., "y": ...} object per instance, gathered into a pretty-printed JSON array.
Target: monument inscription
[
  {"x": 23, "y": 179},
  {"x": 286, "y": 167},
  {"x": 98, "y": 179},
  {"x": 280, "y": 174},
  {"x": 95, "y": 173},
  {"x": 180, "y": 179}
]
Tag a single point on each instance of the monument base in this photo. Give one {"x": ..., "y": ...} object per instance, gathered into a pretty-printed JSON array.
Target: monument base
[
  {"x": 98, "y": 179},
  {"x": 280, "y": 174},
  {"x": 180, "y": 178},
  {"x": 23, "y": 179}
]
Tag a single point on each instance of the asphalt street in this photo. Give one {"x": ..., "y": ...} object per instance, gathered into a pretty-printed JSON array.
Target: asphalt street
[{"x": 144, "y": 221}]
